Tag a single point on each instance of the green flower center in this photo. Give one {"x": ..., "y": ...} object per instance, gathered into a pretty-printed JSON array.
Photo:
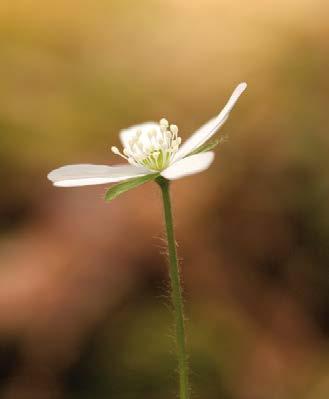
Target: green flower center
[{"x": 154, "y": 149}]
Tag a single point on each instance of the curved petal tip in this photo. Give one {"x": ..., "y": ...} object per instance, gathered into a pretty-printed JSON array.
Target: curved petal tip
[{"x": 241, "y": 88}]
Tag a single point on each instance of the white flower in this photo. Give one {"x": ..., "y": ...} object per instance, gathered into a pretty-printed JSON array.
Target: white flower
[{"x": 151, "y": 148}]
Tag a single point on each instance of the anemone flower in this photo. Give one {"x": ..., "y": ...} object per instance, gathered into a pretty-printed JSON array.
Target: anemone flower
[
  {"x": 154, "y": 151},
  {"x": 151, "y": 150}
]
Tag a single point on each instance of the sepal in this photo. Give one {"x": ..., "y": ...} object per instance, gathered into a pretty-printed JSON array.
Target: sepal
[
  {"x": 127, "y": 185},
  {"x": 210, "y": 145}
]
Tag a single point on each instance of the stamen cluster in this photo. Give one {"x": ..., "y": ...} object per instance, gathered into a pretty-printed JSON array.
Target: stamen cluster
[{"x": 154, "y": 149}]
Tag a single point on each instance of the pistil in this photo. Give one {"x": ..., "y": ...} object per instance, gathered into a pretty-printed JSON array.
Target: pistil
[{"x": 154, "y": 149}]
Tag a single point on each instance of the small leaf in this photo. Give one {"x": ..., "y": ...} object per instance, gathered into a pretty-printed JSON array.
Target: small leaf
[
  {"x": 124, "y": 186},
  {"x": 210, "y": 145}
]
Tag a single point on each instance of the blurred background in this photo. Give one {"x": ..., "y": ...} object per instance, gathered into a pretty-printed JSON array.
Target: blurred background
[{"x": 84, "y": 310}]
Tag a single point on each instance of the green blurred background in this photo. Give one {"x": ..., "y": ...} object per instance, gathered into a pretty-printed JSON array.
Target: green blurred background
[{"x": 83, "y": 284}]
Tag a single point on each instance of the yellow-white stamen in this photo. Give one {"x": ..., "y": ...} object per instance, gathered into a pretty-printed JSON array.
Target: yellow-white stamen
[{"x": 154, "y": 149}]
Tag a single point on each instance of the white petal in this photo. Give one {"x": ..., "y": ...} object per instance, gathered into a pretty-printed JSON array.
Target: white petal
[
  {"x": 87, "y": 174},
  {"x": 189, "y": 165},
  {"x": 205, "y": 132},
  {"x": 127, "y": 134}
]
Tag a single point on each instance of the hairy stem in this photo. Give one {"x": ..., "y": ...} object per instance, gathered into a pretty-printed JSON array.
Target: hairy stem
[{"x": 176, "y": 291}]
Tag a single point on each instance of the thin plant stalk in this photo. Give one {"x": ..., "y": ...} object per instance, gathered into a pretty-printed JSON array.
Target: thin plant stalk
[{"x": 176, "y": 292}]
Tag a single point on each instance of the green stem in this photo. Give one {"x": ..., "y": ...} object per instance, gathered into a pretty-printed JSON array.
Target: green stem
[{"x": 176, "y": 291}]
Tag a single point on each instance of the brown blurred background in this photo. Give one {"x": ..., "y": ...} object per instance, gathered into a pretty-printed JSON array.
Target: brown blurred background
[{"x": 83, "y": 284}]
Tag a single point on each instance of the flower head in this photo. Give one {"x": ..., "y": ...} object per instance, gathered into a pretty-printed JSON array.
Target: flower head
[{"x": 151, "y": 149}]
